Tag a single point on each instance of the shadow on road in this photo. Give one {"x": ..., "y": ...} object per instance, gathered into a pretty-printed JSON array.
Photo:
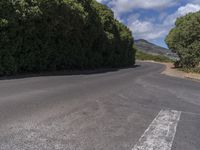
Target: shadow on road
[{"x": 67, "y": 72}]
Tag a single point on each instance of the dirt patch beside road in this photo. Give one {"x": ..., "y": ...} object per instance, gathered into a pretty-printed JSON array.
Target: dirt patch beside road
[{"x": 171, "y": 71}]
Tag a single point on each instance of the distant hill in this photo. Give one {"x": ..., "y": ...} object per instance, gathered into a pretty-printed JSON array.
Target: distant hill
[{"x": 151, "y": 48}]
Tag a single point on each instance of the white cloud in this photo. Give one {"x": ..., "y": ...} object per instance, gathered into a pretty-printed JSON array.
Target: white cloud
[
  {"x": 124, "y": 6},
  {"x": 194, "y": 1},
  {"x": 150, "y": 28},
  {"x": 171, "y": 19},
  {"x": 101, "y": 1},
  {"x": 121, "y": 6},
  {"x": 146, "y": 30}
]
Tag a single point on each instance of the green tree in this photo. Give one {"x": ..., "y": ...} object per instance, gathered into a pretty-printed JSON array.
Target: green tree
[
  {"x": 45, "y": 35},
  {"x": 184, "y": 39}
]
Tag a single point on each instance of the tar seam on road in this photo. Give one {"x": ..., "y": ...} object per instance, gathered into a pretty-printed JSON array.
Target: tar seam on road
[{"x": 161, "y": 132}]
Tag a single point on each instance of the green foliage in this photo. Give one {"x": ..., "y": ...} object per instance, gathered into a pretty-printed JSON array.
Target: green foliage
[
  {"x": 184, "y": 39},
  {"x": 158, "y": 58},
  {"x": 48, "y": 35}
]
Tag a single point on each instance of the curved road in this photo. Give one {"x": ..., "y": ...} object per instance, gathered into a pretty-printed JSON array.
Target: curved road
[{"x": 126, "y": 109}]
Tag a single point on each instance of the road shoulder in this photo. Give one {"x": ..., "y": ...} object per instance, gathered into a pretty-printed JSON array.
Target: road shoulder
[{"x": 171, "y": 71}]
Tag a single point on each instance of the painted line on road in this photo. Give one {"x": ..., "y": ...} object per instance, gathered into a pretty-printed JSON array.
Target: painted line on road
[{"x": 161, "y": 132}]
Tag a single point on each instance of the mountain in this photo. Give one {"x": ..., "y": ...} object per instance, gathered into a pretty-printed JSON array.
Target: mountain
[{"x": 150, "y": 48}]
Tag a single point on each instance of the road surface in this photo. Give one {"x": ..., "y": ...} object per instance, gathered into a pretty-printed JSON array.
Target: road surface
[{"x": 127, "y": 109}]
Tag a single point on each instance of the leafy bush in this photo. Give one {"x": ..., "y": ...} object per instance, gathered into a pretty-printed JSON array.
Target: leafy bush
[
  {"x": 184, "y": 39},
  {"x": 48, "y": 35}
]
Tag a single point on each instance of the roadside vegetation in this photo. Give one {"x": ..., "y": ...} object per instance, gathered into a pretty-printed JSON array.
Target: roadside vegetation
[
  {"x": 184, "y": 39},
  {"x": 145, "y": 56},
  {"x": 50, "y": 35}
]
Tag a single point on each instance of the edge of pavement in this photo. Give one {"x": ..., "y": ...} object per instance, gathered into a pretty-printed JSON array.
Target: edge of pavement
[{"x": 171, "y": 71}]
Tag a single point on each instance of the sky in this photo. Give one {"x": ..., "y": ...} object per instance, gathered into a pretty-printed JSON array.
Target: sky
[{"x": 151, "y": 19}]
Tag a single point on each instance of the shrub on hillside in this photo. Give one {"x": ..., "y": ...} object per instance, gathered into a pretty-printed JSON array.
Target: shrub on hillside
[{"x": 145, "y": 56}]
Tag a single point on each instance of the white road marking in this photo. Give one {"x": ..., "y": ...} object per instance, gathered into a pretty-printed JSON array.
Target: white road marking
[{"x": 161, "y": 132}]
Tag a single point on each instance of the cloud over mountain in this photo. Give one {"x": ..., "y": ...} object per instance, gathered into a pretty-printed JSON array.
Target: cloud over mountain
[{"x": 151, "y": 20}]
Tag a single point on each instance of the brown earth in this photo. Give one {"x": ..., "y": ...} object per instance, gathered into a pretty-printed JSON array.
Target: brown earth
[{"x": 171, "y": 71}]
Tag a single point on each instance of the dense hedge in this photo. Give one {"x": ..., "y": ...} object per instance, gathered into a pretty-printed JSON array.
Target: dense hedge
[
  {"x": 48, "y": 35},
  {"x": 184, "y": 39}
]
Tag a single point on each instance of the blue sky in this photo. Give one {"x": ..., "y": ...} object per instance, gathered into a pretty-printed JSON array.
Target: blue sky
[{"x": 151, "y": 19}]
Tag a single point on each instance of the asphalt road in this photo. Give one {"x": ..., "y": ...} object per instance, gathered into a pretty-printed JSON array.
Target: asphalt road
[{"x": 114, "y": 110}]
